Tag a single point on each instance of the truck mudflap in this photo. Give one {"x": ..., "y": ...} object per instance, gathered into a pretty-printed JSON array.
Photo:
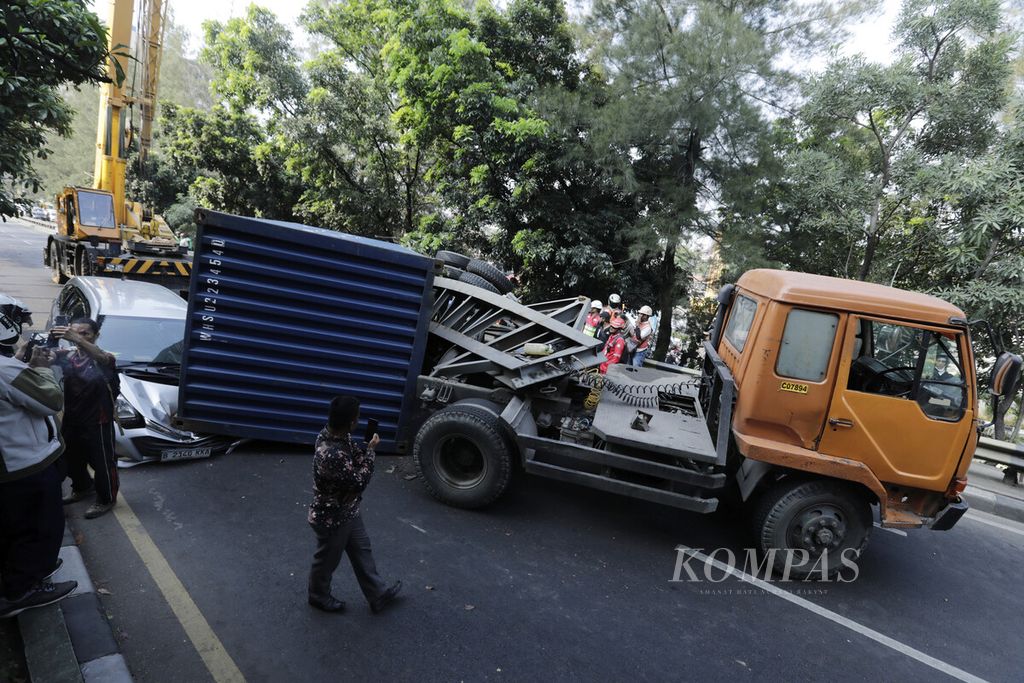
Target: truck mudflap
[
  {"x": 573, "y": 461},
  {"x": 949, "y": 515}
]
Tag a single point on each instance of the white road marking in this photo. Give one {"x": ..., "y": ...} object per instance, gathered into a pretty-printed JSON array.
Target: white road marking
[
  {"x": 834, "y": 617},
  {"x": 898, "y": 532},
  {"x": 977, "y": 516},
  {"x": 409, "y": 522}
]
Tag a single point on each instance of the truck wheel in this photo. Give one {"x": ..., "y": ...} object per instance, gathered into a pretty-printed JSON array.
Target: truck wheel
[
  {"x": 452, "y": 273},
  {"x": 452, "y": 258},
  {"x": 477, "y": 281},
  {"x": 814, "y": 516},
  {"x": 56, "y": 272},
  {"x": 492, "y": 274},
  {"x": 463, "y": 457},
  {"x": 82, "y": 264}
]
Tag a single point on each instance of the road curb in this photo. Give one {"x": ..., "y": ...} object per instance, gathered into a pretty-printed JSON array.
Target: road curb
[
  {"x": 995, "y": 504},
  {"x": 72, "y": 640}
]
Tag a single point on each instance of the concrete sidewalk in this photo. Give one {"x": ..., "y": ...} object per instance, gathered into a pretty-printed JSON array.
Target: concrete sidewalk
[
  {"x": 71, "y": 641},
  {"x": 987, "y": 492}
]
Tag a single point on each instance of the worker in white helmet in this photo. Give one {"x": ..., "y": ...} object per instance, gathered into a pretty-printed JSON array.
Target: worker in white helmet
[
  {"x": 643, "y": 333},
  {"x": 593, "y": 318},
  {"x": 31, "y": 514}
]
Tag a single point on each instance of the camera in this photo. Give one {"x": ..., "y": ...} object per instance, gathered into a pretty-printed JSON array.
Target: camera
[{"x": 38, "y": 339}]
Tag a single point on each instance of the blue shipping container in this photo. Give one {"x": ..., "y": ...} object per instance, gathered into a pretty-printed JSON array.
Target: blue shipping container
[{"x": 283, "y": 317}]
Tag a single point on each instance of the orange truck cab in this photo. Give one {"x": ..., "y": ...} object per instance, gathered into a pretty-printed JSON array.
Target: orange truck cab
[{"x": 848, "y": 395}]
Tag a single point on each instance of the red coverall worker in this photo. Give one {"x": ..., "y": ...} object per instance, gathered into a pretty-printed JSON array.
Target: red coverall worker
[{"x": 615, "y": 346}]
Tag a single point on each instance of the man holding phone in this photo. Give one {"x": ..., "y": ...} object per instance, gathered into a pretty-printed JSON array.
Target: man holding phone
[
  {"x": 342, "y": 469},
  {"x": 90, "y": 385}
]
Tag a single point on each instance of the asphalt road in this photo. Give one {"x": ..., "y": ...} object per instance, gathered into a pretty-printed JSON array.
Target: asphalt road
[{"x": 553, "y": 582}]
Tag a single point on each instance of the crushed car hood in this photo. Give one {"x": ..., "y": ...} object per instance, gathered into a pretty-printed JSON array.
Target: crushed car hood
[{"x": 155, "y": 401}]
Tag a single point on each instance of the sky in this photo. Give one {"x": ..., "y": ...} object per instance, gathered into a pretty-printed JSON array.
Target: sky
[{"x": 870, "y": 37}]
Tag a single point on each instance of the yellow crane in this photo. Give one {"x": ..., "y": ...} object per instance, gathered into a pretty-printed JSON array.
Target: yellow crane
[{"x": 99, "y": 230}]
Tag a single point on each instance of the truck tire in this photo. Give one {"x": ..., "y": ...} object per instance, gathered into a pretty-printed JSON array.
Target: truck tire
[
  {"x": 452, "y": 273},
  {"x": 477, "y": 281},
  {"x": 812, "y": 515},
  {"x": 83, "y": 266},
  {"x": 492, "y": 274},
  {"x": 453, "y": 258},
  {"x": 463, "y": 457},
  {"x": 56, "y": 272}
]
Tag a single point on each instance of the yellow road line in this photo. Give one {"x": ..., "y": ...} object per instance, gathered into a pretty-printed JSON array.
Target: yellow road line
[{"x": 205, "y": 641}]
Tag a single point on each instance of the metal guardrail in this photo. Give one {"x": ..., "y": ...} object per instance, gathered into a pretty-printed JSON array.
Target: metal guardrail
[{"x": 1002, "y": 452}]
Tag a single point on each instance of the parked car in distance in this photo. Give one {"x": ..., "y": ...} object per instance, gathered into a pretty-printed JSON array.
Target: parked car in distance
[
  {"x": 39, "y": 213},
  {"x": 143, "y": 325},
  {"x": 51, "y": 215}
]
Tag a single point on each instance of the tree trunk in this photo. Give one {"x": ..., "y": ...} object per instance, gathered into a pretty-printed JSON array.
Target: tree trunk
[
  {"x": 869, "y": 248},
  {"x": 666, "y": 301}
]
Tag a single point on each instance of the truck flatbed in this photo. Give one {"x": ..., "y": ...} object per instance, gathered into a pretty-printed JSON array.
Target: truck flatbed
[{"x": 676, "y": 425}]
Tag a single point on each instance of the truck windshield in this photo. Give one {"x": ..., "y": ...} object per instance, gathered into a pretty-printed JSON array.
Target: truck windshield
[{"x": 96, "y": 209}]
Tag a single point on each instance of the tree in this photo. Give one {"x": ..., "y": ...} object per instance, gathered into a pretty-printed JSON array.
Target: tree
[
  {"x": 890, "y": 124},
  {"x": 46, "y": 45},
  {"x": 684, "y": 127}
]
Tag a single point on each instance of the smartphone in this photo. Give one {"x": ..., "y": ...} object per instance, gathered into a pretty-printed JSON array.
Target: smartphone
[
  {"x": 60, "y": 321},
  {"x": 371, "y": 429}
]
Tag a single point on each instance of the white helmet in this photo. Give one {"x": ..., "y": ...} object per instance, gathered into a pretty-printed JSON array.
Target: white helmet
[
  {"x": 596, "y": 303},
  {"x": 646, "y": 310},
  {"x": 614, "y": 299},
  {"x": 13, "y": 314}
]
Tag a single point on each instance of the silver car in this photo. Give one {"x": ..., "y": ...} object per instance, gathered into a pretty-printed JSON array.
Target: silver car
[{"x": 143, "y": 326}]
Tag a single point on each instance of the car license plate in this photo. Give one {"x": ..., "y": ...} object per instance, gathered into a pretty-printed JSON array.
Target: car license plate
[{"x": 184, "y": 454}]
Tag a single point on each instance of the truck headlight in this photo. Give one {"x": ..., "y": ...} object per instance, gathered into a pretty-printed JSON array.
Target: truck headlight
[{"x": 126, "y": 414}]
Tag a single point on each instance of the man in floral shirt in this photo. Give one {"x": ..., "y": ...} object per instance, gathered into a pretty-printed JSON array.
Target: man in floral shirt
[{"x": 342, "y": 468}]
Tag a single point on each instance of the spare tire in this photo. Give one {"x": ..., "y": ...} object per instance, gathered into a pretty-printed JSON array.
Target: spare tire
[
  {"x": 492, "y": 274},
  {"x": 476, "y": 280},
  {"x": 463, "y": 456},
  {"x": 452, "y": 272},
  {"x": 452, "y": 258}
]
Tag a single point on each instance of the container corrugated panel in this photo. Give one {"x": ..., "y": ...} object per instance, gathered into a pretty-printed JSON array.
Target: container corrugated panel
[{"x": 283, "y": 317}]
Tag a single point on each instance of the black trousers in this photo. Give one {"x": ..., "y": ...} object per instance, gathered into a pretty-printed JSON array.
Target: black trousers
[
  {"x": 31, "y": 530},
  {"x": 92, "y": 446},
  {"x": 352, "y": 539}
]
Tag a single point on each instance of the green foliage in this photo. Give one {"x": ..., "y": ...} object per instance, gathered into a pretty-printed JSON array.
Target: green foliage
[{"x": 44, "y": 45}]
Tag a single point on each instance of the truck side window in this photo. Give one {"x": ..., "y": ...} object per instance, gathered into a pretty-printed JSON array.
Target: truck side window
[
  {"x": 807, "y": 345},
  {"x": 942, "y": 393},
  {"x": 740, "y": 320}
]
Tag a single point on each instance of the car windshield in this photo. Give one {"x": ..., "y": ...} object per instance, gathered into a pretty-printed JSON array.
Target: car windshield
[{"x": 142, "y": 340}]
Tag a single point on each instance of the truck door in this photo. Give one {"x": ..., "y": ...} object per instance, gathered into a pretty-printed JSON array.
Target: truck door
[{"x": 900, "y": 403}]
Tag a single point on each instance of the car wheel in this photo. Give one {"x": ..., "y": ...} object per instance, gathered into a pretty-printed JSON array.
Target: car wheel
[
  {"x": 492, "y": 274},
  {"x": 56, "y": 272},
  {"x": 824, "y": 521},
  {"x": 453, "y": 258},
  {"x": 477, "y": 281},
  {"x": 463, "y": 457}
]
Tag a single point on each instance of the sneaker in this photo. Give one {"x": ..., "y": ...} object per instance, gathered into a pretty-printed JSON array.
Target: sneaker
[
  {"x": 44, "y": 593},
  {"x": 378, "y": 605},
  {"x": 77, "y": 496},
  {"x": 60, "y": 563},
  {"x": 97, "y": 509},
  {"x": 328, "y": 604}
]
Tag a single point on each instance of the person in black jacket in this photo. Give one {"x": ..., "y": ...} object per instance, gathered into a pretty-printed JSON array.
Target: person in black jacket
[{"x": 342, "y": 469}]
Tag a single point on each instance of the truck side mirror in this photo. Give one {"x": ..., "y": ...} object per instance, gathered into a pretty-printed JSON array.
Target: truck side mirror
[{"x": 1005, "y": 375}]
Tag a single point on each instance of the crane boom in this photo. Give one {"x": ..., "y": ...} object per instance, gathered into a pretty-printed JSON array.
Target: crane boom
[{"x": 99, "y": 230}]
